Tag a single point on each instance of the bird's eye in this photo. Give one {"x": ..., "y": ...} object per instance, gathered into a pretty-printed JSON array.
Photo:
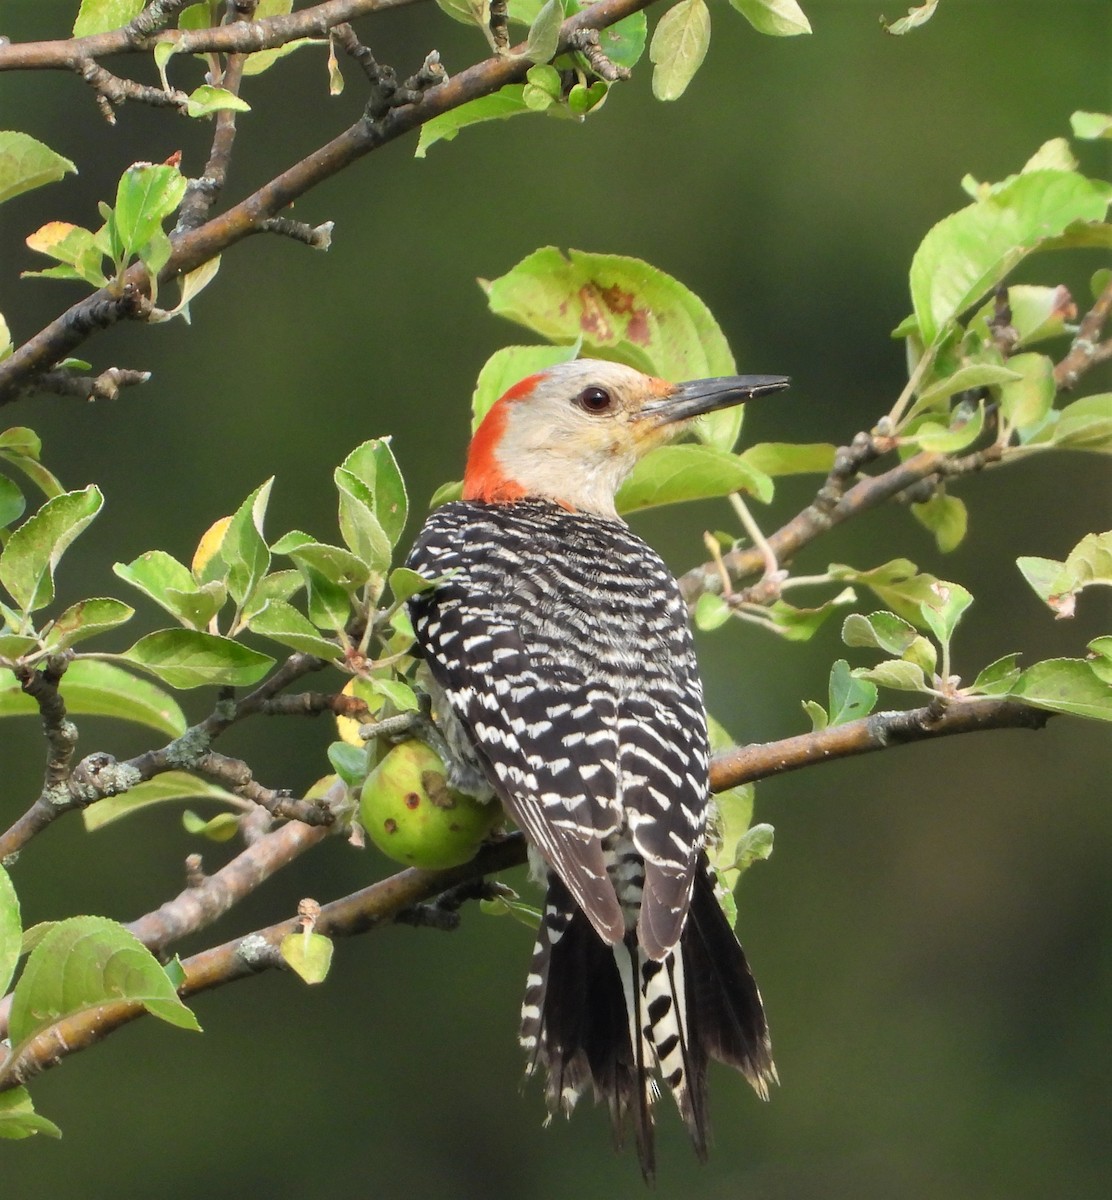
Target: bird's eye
[{"x": 594, "y": 400}]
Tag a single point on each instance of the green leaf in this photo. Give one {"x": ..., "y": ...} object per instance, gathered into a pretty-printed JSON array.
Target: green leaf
[
  {"x": 328, "y": 602},
  {"x": 731, "y": 814},
  {"x": 1101, "y": 662},
  {"x": 544, "y": 33},
  {"x": 963, "y": 430},
  {"x": 1026, "y": 401},
  {"x": 308, "y": 954},
  {"x": 86, "y": 619},
  {"x": 221, "y": 828},
  {"x": 943, "y": 610},
  {"x": 1086, "y": 424},
  {"x": 21, "y": 447},
  {"x": 206, "y": 100},
  {"x": 970, "y": 251},
  {"x": 916, "y": 16},
  {"x": 101, "y": 689},
  {"x": 582, "y": 98},
  {"x": 1058, "y": 584},
  {"x": 72, "y": 245},
  {"x": 84, "y": 962},
  {"x": 851, "y": 696},
  {"x": 711, "y": 612},
  {"x": 895, "y": 673},
  {"x": 99, "y": 16},
  {"x": 26, "y": 163},
  {"x": 1089, "y": 125},
  {"x": 349, "y": 762},
  {"x": 622, "y": 309},
  {"x": 998, "y": 678},
  {"x": 400, "y": 695},
  {"x": 33, "y": 551},
  {"x": 511, "y": 906},
  {"x": 12, "y": 502},
  {"x": 878, "y": 631},
  {"x": 11, "y": 931},
  {"x": 898, "y": 584},
  {"x": 474, "y": 12},
  {"x": 923, "y": 654},
  {"x": 778, "y": 18},
  {"x": 1067, "y": 685},
  {"x": 334, "y": 563},
  {"x": 672, "y": 474},
  {"x": 679, "y": 45},
  {"x": 755, "y": 846},
  {"x": 790, "y": 458},
  {"x": 170, "y": 584},
  {"x": 507, "y": 102},
  {"x": 974, "y": 375},
  {"x": 510, "y": 365},
  {"x": 262, "y": 60},
  {"x": 147, "y": 194},
  {"x": 817, "y": 715},
  {"x": 361, "y": 529},
  {"x": 171, "y": 785},
  {"x": 188, "y": 658},
  {"x": 446, "y": 492},
  {"x": 281, "y": 622},
  {"x": 244, "y": 548},
  {"x": 946, "y": 517},
  {"x": 624, "y": 41},
  {"x": 405, "y": 583},
  {"x": 801, "y": 624},
  {"x": 18, "y": 1118},
  {"x": 373, "y": 463}
]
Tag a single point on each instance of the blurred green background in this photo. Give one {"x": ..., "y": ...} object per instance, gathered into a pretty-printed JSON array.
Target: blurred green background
[{"x": 932, "y": 933}]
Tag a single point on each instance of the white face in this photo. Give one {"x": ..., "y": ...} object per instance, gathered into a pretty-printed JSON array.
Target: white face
[{"x": 576, "y": 435}]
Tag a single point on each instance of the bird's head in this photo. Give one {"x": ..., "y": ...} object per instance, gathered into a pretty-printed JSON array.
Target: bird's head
[{"x": 572, "y": 433}]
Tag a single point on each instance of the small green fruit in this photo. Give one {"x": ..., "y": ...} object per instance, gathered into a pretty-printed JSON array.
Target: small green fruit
[{"x": 411, "y": 814}]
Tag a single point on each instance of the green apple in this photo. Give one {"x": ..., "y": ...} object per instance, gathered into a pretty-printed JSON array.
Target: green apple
[{"x": 412, "y": 815}]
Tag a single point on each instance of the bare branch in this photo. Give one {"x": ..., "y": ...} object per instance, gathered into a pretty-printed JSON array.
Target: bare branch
[
  {"x": 880, "y": 731},
  {"x": 209, "y": 897}
]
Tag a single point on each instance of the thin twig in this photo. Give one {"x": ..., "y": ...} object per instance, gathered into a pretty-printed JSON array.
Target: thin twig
[
  {"x": 203, "y": 192},
  {"x": 105, "y": 386},
  {"x": 829, "y": 508}
]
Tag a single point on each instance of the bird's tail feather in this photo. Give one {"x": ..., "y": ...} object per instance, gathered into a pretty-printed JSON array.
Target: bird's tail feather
[{"x": 609, "y": 1018}]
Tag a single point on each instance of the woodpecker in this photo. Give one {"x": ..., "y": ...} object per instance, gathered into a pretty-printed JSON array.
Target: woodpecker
[{"x": 564, "y": 670}]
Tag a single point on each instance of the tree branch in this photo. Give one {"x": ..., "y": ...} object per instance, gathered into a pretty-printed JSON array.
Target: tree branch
[
  {"x": 197, "y": 246},
  {"x": 99, "y": 775},
  {"x": 143, "y": 32},
  {"x": 1086, "y": 349},
  {"x": 383, "y": 902}
]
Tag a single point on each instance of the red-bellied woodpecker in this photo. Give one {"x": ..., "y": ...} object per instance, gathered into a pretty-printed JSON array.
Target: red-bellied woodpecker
[{"x": 561, "y": 645}]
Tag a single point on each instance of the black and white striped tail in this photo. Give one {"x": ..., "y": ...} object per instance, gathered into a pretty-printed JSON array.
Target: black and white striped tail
[{"x": 612, "y": 1019}]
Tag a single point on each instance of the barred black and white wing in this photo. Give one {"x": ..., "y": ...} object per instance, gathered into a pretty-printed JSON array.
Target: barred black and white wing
[{"x": 562, "y": 644}]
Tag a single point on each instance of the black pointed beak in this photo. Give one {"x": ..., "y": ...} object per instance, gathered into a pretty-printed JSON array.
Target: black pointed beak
[{"x": 708, "y": 395}]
